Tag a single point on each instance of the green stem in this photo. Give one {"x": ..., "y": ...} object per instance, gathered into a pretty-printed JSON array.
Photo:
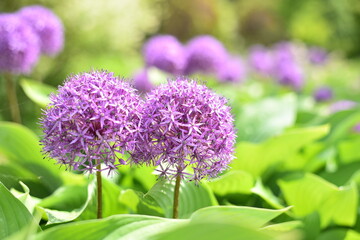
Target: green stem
[
  {"x": 12, "y": 98},
  {"x": 176, "y": 197},
  {"x": 99, "y": 192}
]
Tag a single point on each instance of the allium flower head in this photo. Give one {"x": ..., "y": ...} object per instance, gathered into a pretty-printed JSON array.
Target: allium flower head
[
  {"x": 185, "y": 125},
  {"x": 205, "y": 54},
  {"x": 166, "y": 53},
  {"x": 323, "y": 94},
  {"x": 48, "y": 27},
  {"x": 317, "y": 55},
  {"x": 142, "y": 81},
  {"x": 290, "y": 74},
  {"x": 19, "y": 45},
  {"x": 92, "y": 118},
  {"x": 261, "y": 60},
  {"x": 232, "y": 70}
]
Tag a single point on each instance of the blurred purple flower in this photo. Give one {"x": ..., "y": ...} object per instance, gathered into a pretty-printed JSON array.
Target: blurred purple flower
[
  {"x": 205, "y": 54},
  {"x": 342, "y": 105},
  {"x": 93, "y": 117},
  {"x": 166, "y": 53},
  {"x": 288, "y": 73},
  {"x": 19, "y": 45},
  {"x": 185, "y": 125},
  {"x": 323, "y": 94},
  {"x": 142, "y": 81},
  {"x": 317, "y": 55},
  {"x": 232, "y": 70},
  {"x": 48, "y": 27},
  {"x": 261, "y": 60},
  {"x": 356, "y": 128}
]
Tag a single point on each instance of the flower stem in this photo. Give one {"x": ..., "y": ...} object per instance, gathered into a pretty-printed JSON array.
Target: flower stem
[
  {"x": 99, "y": 192},
  {"x": 12, "y": 98},
  {"x": 176, "y": 197}
]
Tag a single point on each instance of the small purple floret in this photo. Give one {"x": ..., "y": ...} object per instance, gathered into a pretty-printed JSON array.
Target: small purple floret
[
  {"x": 93, "y": 117},
  {"x": 48, "y": 27},
  {"x": 166, "y": 53},
  {"x": 323, "y": 94},
  {"x": 205, "y": 55},
  {"x": 19, "y": 45},
  {"x": 185, "y": 125}
]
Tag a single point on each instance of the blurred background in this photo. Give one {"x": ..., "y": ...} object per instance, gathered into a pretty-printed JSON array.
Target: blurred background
[{"x": 110, "y": 34}]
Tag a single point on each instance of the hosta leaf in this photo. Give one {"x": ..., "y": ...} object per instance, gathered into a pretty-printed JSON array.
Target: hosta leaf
[
  {"x": 37, "y": 91},
  {"x": 13, "y": 214}
]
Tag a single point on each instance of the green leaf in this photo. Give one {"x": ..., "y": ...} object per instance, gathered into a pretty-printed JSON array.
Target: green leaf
[
  {"x": 115, "y": 227},
  {"x": 20, "y": 148},
  {"x": 13, "y": 214},
  {"x": 339, "y": 234},
  {"x": 37, "y": 91},
  {"x": 235, "y": 181},
  {"x": 244, "y": 216},
  {"x": 266, "y": 194},
  {"x": 260, "y": 120},
  {"x": 257, "y": 158},
  {"x": 349, "y": 150},
  {"x": 309, "y": 193}
]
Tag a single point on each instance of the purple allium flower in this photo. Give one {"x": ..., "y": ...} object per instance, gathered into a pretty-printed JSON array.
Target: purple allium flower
[
  {"x": 261, "y": 60},
  {"x": 317, "y": 55},
  {"x": 289, "y": 74},
  {"x": 19, "y": 45},
  {"x": 232, "y": 70},
  {"x": 205, "y": 54},
  {"x": 166, "y": 53},
  {"x": 342, "y": 105},
  {"x": 323, "y": 94},
  {"x": 142, "y": 81},
  {"x": 93, "y": 117},
  {"x": 48, "y": 27},
  {"x": 185, "y": 125}
]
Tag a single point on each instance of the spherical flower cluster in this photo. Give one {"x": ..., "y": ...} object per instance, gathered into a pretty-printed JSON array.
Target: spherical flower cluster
[
  {"x": 205, "y": 54},
  {"x": 93, "y": 117},
  {"x": 323, "y": 94},
  {"x": 232, "y": 70},
  {"x": 288, "y": 73},
  {"x": 185, "y": 126},
  {"x": 261, "y": 60},
  {"x": 166, "y": 53},
  {"x": 19, "y": 45},
  {"x": 47, "y": 26}
]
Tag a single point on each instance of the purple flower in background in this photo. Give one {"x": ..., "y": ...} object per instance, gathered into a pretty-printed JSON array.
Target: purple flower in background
[
  {"x": 142, "y": 81},
  {"x": 19, "y": 45},
  {"x": 288, "y": 73},
  {"x": 317, "y": 55},
  {"x": 93, "y": 117},
  {"x": 356, "y": 128},
  {"x": 342, "y": 105},
  {"x": 48, "y": 27},
  {"x": 323, "y": 94},
  {"x": 166, "y": 53},
  {"x": 232, "y": 70},
  {"x": 261, "y": 60},
  {"x": 205, "y": 54},
  {"x": 185, "y": 125}
]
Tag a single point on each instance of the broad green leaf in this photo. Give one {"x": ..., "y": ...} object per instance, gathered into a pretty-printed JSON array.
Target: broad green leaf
[
  {"x": 283, "y": 227},
  {"x": 37, "y": 91},
  {"x": 123, "y": 226},
  {"x": 20, "y": 147},
  {"x": 235, "y": 181},
  {"x": 257, "y": 158},
  {"x": 339, "y": 234},
  {"x": 342, "y": 175},
  {"x": 13, "y": 214},
  {"x": 309, "y": 193},
  {"x": 244, "y": 216},
  {"x": 349, "y": 150},
  {"x": 25, "y": 197},
  {"x": 260, "y": 120},
  {"x": 212, "y": 231},
  {"x": 266, "y": 194}
]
